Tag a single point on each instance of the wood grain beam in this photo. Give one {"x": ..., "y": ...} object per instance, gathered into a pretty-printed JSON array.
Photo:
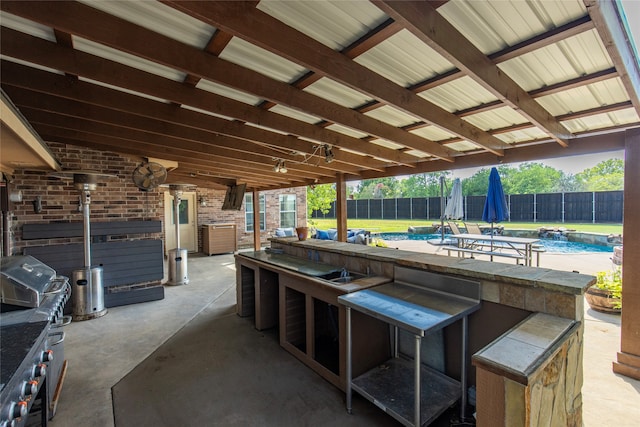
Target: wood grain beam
[
  {"x": 56, "y": 87},
  {"x": 433, "y": 29},
  {"x": 161, "y": 129},
  {"x": 100, "y": 27},
  {"x": 267, "y": 32}
]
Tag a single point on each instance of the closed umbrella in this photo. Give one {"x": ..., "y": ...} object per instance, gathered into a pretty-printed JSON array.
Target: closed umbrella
[
  {"x": 495, "y": 207},
  {"x": 455, "y": 209}
]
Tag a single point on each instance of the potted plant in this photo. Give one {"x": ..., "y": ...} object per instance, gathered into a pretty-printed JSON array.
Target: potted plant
[{"x": 606, "y": 294}]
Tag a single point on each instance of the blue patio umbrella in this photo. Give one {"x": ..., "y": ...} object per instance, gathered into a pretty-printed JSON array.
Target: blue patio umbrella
[{"x": 495, "y": 206}]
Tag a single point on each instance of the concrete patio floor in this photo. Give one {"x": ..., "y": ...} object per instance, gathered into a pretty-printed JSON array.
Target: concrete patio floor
[{"x": 102, "y": 351}]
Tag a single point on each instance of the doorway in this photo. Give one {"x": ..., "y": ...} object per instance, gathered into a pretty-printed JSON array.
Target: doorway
[{"x": 187, "y": 219}]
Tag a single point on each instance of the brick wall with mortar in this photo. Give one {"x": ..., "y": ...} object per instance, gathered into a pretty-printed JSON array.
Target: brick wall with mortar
[
  {"x": 118, "y": 199},
  {"x": 115, "y": 199},
  {"x": 213, "y": 213}
]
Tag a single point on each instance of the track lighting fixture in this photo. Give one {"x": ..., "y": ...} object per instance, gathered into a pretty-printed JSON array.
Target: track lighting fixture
[
  {"x": 328, "y": 154},
  {"x": 280, "y": 166}
]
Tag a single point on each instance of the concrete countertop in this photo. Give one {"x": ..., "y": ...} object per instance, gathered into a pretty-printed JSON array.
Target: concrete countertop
[{"x": 520, "y": 275}]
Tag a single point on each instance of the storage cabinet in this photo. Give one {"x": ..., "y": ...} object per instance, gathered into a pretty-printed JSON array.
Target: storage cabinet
[{"x": 219, "y": 238}]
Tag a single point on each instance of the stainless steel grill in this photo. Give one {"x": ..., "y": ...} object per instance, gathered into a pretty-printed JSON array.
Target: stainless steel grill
[{"x": 33, "y": 300}]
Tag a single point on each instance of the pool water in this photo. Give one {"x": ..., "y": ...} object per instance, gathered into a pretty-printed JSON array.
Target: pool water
[{"x": 551, "y": 246}]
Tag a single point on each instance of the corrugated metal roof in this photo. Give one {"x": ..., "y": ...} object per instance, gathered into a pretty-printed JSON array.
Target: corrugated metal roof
[
  {"x": 392, "y": 116},
  {"x": 264, "y": 62},
  {"x": 492, "y": 26},
  {"x": 127, "y": 59},
  {"x": 28, "y": 27},
  {"x": 160, "y": 18},
  {"x": 404, "y": 59},
  {"x": 562, "y": 61},
  {"x": 228, "y": 92},
  {"x": 458, "y": 94},
  {"x": 333, "y": 23},
  {"x": 338, "y": 93},
  {"x": 582, "y": 98}
]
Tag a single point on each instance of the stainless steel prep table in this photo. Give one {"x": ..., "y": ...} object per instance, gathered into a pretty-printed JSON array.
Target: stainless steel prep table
[{"x": 427, "y": 304}]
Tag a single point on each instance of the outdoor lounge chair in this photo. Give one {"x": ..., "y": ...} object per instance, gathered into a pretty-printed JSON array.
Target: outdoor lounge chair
[
  {"x": 473, "y": 228},
  {"x": 454, "y": 228}
]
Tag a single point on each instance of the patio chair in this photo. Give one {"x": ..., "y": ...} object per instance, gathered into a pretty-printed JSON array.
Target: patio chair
[
  {"x": 454, "y": 228},
  {"x": 473, "y": 228}
]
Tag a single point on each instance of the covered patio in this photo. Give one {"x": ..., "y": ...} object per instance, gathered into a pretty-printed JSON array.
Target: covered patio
[{"x": 237, "y": 93}]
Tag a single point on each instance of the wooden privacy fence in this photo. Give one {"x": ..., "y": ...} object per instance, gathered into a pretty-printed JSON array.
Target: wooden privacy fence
[{"x": 594, "y": 207}]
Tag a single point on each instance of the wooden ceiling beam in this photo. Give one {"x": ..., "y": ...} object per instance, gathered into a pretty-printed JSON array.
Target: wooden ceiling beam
[
  {"x": 238, "y": 171},
  {"x": 267, "y": 32},
  {"x": 616, "y": 40},
  {"x": 97, "y": 26},
  {"x": 433, "y": 29},
  {"x": 193, "y": 148},
  {"x": 38, "y": 51},
  {"x": 162, "y": 129},
  {"x": 89, "y": 94}
]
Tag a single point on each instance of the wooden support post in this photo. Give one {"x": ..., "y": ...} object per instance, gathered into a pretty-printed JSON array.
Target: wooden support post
[
  {"x": 256, "y": 220},
  {"x": 628, "y": 361},
  {"x": 341, "y": 207}
]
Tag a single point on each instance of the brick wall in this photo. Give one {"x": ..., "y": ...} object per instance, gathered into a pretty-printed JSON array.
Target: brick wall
[
  {"x": 213, "y": 213},
  {"x": 115, "y": 198},
  {"x": 118, "y": 198}
]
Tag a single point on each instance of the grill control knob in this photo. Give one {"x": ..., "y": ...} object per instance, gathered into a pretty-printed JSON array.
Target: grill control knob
[
  {"x": 17, "y": 410},
  {"x": 29, "y": 388},
  {"x": 47, "y": 356},
  {"x": 40, "y": 370}
]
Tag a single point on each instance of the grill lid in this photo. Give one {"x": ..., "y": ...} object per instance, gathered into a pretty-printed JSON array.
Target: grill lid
[{"x": 24, "y": 280}]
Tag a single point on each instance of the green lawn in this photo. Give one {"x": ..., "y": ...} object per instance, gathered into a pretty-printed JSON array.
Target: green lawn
[{"x": 403, "y": 225}]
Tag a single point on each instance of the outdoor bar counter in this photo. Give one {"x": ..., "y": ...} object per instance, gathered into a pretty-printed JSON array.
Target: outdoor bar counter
[{"x": 521, "y": 350}]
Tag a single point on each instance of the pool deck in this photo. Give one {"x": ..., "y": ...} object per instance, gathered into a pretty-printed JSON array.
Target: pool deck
[{"x": 609, "y": 399}]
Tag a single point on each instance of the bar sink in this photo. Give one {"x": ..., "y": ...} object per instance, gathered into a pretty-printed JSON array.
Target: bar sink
[{"x": 342, "y": 276}]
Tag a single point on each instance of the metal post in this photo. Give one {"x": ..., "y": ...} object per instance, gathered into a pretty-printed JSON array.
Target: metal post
[
  {"x": 86, "y": 202},
  {"x": 562, "y": 207},
  {"x": 348, "y": 367},
  {"x": 593, "y": 207},
  {"x": 463, "y": 369},
  {"x": 416, "y": 403},
  {"x": 535, "y": 208}
]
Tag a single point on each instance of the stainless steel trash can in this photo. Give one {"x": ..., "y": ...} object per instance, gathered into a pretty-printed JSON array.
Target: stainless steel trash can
[
  {"x": 178, "y": 267},
  {"x": 87, "y": 291}
]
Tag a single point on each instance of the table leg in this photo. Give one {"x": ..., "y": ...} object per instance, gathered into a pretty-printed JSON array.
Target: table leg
[
  {"x": 348, "y": 367},
  {"x": 416, "y": 408}
]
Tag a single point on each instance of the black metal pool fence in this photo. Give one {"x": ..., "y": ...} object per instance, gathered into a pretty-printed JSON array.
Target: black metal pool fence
[{"x": 579, "y": 207}]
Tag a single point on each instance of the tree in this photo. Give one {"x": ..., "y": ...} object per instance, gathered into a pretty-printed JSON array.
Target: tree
[
  {"x": 424, "y": 184},
  {"x": 607, "y": 175},
  {"x": 319, "y": 198},
  {"x": 531, "y": 178},
  {"x": 378, "y": 188}
]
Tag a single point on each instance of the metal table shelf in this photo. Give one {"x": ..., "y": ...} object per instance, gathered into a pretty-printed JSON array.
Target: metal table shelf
[{"x": 418, "y": 309}]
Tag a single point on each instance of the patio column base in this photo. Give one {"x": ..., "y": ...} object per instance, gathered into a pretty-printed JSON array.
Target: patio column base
[{"x": 627, "y": 365}]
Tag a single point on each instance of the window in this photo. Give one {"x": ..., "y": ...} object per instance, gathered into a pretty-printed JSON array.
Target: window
[
  {"x": 183, "y": 212},
  {"x": 248, "y": 209},
  {"x": 287, "y": 210}
]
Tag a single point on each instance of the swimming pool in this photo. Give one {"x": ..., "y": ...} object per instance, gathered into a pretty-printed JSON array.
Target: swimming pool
[{"x": 551, "y": 246}]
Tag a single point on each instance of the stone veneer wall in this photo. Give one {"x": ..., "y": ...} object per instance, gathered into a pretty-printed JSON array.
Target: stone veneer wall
[{"x": 552, "y": 394}]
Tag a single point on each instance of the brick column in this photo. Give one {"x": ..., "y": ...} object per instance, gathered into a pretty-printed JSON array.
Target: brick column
[{"x": 628, "y": 361}]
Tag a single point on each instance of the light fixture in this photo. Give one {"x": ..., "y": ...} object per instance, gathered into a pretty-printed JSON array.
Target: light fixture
[
  {"x": 280, "y": 166},
  {"x": 328, "y": 154},
  {"x": 203, "y": 201}
]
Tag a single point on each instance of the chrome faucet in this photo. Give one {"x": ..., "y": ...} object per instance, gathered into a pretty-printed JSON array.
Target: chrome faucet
[{"x": 344, "y": 273}]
